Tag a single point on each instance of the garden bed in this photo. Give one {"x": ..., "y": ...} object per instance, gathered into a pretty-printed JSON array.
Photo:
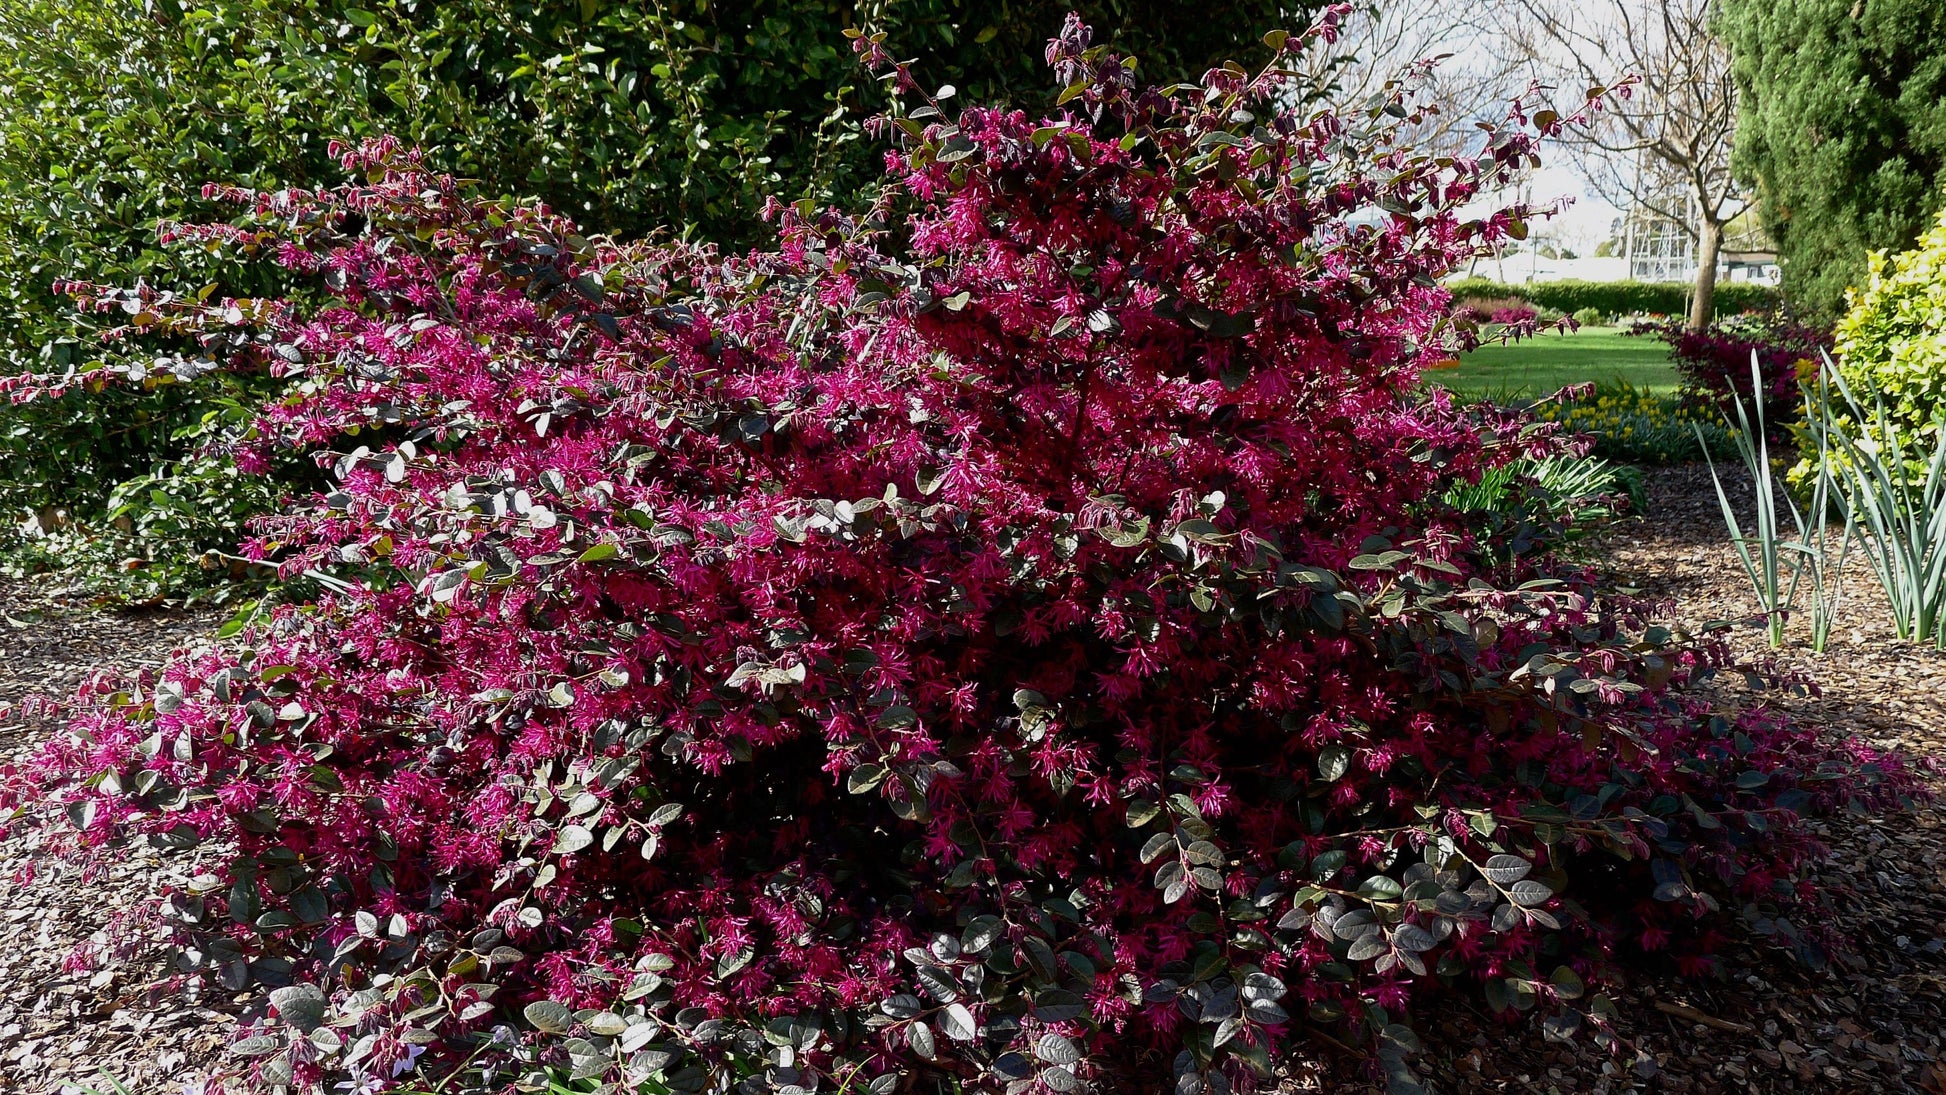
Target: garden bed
[
  {"x": 61, "y": 1025},
  {"x": 1877, "y": 1021}
]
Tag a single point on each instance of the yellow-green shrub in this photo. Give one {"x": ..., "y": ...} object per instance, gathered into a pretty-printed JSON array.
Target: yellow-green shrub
[{"x": 1892, "y": 341}]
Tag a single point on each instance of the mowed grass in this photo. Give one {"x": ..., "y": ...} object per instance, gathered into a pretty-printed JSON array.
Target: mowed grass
[{"x": 1534, "y": 367}]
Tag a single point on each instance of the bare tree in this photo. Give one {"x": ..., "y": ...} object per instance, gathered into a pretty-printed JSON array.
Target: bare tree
[
  {"x": 1664, "y": 149},
  {"x": 1381, "y": 43}
]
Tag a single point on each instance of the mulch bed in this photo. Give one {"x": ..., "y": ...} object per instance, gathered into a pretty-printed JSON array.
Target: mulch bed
[
  {"x": 61, "y": 1025},
  {"x": 1875, "y": 1021}
]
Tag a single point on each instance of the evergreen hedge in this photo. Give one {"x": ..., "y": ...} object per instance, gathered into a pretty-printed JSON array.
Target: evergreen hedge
[{"x": 1620, "y": 298}]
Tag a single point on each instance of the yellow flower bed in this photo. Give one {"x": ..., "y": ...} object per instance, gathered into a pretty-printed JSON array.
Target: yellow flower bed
[{"x": 1638, "y": 426}]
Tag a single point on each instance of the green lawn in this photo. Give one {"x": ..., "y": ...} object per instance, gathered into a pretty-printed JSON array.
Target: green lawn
[{"x": 1539, "y": 365}]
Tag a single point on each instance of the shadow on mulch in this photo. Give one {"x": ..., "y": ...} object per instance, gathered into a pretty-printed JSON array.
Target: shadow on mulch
[{"x": 1875, "y": 1021}]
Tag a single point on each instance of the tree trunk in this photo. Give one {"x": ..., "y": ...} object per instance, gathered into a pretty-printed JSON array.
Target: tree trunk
[{"x": 1702, "y": 304}]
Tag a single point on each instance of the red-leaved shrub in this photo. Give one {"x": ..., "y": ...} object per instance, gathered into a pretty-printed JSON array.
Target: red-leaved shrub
[
  {"x": 1012, "y": 635},
  {"x": 1515, "y": 318},
  {"x": 1715, "y": 362}
]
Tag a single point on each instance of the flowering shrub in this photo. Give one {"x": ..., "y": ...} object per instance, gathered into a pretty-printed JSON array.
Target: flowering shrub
[
  {"x": 1014, "y": 636},
  {"x": 1715, "y": 362},
  {"x": 1505, "y": 310},
  {"x": 634, "y": 115},
  {"x": 1637, "y": 425}
]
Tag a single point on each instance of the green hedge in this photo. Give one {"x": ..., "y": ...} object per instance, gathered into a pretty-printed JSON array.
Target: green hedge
[
  {"x": 1621, "y": 298},
  {"x": 631, "y": 116}
]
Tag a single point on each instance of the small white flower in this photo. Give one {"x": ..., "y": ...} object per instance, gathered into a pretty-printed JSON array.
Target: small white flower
[{"x": 412, "y": 1055}]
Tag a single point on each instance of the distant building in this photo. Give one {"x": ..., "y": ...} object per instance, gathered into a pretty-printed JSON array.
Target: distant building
[
  {"x": 1749, "y": 254},
  {"x": 1659, "y": 249},
  {"x": 1644, "y": 245},
  {"x": 1651, "y": 248},
  {"x": 1525, "y": 265}
]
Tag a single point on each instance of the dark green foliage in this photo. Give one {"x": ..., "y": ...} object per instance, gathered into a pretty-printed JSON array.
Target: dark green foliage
[
  {"x": 632, "y": 116},
  {"x": 1843, "y": 129},
  {"x": 1620, "y": 298}
]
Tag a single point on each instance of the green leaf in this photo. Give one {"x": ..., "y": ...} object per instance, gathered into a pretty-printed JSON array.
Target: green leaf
[
  {"x": 1505, "y": 870},
  {"x": 864, "y": 778},
  {"x": 1380, "y": 888},
  {"x": 548, "y": 1016},
  {"x": 956, "y": 1022},
  {"x": 300, "y": 1006},
  {"x": 1333, "y": 762},
  {"x": 1529, "y": 892},
  {"x": 1327, "y": 864},
  {"x": 734, "y": 961},
  {"x": 919, "y": 1038},
  {"x": 571, "y": 839},
  {"x": 1381, "y": 561},
  {"x": 1566, "y": 983},
  {"x": 595, "y": 554}
]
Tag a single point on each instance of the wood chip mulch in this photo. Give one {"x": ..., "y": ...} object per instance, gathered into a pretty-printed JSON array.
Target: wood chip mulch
[
  {"x": 1873, "y": 1022},
  {"x": 1876, "y": 1020},
  {"x": 62, "y": 1024}
]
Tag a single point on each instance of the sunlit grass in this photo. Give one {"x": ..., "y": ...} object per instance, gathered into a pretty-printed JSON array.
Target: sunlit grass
[{"x": 1551, "y": 360}]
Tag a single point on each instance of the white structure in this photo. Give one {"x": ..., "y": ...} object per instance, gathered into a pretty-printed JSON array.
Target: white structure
[
  {"x": 1749, "y": 255},
  {"x": 1659, "y": 249},
  {"x": 1654, "y": 248},
  {"x": 1528, "y": 264}
]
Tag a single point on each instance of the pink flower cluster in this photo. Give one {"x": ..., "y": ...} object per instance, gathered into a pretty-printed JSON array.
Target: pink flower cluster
[{"x": 1010, "y": 634}]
